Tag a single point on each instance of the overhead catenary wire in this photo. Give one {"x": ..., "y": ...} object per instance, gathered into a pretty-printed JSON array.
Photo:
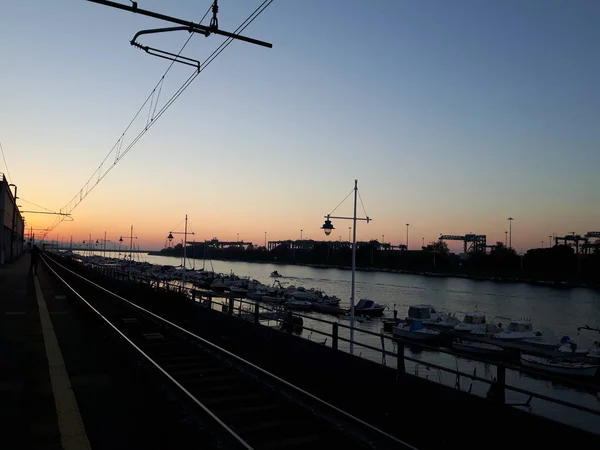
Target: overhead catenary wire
[
  {"x": 150, "y": 96},
  {"x": 34, "y": 204},
  {"x": 78, "y": 198}
]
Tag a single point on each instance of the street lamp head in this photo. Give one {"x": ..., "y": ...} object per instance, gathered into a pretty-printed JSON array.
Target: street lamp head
[
  {"x": 170, "y": 237},
  {"x": 121, "y": 239},
  {"x": 327, "y": 227}
]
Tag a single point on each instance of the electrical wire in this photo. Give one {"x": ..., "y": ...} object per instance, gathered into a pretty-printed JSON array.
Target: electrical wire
[
  {"x": 362, "y": 204},
  {"x": 150, "y": 96},
  {"x": 334, "y": 209},
  {"x": 34, "y": 204},
  {"x": 5, "y": 164},
  {"x": 77, "y": 199}
]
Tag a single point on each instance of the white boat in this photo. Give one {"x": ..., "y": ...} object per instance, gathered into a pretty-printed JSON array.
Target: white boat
[
  {"x": 594, "y": 352},
  {"x": 474, "y": 322},
  {"x": 430, "y": 317},
  {"x": 569, "y": 347},
  {"x": 415, "y": 331},
  {"x": 481, "y": 348},
  {"x": 559, "y": 366},
  {"x": 518, "y": 330}
]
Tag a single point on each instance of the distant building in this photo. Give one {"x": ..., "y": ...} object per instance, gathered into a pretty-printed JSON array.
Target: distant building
[{"x": 12, "y": 224}]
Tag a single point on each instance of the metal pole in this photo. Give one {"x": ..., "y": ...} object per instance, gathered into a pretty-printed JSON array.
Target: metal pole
[
  {"x": 130, "y": 249},
  {"x": 353, "y": 270},
  {"x": 105, "y": 244},
  {"x": 184, "y": 247},
  {"x": 193, "y": 26},
  {"x": 407, "y": 236}
]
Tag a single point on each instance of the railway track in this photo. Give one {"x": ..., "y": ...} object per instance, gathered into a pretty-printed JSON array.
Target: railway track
[{"x": 244, "y": 406}]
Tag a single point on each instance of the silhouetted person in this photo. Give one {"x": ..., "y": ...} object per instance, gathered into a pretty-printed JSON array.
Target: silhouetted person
[{"x": 35, "y": 257}]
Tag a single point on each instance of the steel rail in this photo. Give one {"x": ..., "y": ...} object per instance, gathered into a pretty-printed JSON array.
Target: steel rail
[{"x": 210, "y": 414}]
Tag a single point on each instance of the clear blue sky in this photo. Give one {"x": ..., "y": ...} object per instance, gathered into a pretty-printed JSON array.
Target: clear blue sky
[{"x": 453, "y": 115}]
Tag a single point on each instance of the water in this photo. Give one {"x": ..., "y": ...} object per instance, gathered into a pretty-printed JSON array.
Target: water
[{"x": 554, "y": 312}]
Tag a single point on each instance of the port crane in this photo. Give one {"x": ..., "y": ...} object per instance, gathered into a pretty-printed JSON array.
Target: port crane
[{"x": 472, "y": 243}]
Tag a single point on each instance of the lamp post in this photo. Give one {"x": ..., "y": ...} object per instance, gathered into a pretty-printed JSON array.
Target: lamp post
[
  {"x": 265, "y": 240},
  {"x": 407, "y": 236},
  {"x": 131, "y": 238},
  {"x": 506, "y": 238},
  {"x": 349, "y": 228},
  {"x": 301, "y": 234},
  {"x": 549, "y": 241},
  {"x": 422, "y": 242},
  {"x": 327, "y": 229},
  {"x": 510, "y": 219},
  {"x": 185, "y": 234}
]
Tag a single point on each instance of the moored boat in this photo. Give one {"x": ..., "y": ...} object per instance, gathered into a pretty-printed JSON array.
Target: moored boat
[
  {"x": 481, "y": 348},
  {"x": 366, "y": 307},
  {"x": 559, "y": 366},
  {"x": 474, "y": 322},
  {"x": 415, "y": 331},
  {"x": 430, "y": 317},
  {"x": 518, "y": 330}
]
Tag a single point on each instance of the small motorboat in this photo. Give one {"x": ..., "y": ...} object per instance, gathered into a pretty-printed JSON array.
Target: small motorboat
[
  {"x": 431, "y": 318},
  {"x": 366, "y": 307},
  {"x": 474, "y": 322},
  {"x": 518, "y": 330},
  {"x": 389, "y": 323},
  {"x": 559, "y": 366},
  {"x": 275, "y": 274},
  {"x": 481, "y": 348},
  {"x": 414, "y": 331}
]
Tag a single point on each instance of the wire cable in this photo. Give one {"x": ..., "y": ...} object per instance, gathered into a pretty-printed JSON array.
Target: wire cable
[
  {"x": 5, "y": 164},
  {"x": 77, "y": 199},
  {"x": 362, "y": 204},
  {"x": 334, "y": 209},
  {"x": 34, "y": 204}
]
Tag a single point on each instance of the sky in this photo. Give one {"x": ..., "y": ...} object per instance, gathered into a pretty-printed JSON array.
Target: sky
[{"x": 453, "y": 116}]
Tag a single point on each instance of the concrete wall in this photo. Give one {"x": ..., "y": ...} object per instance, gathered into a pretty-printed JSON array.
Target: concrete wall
[{"x": 12, "y": 224}]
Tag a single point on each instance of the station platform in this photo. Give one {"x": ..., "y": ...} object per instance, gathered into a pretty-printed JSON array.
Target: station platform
[{"x": 63, "y": 385}]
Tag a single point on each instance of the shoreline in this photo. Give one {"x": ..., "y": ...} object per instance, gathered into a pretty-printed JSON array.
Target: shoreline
[{"x": 496, "y": 279}]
